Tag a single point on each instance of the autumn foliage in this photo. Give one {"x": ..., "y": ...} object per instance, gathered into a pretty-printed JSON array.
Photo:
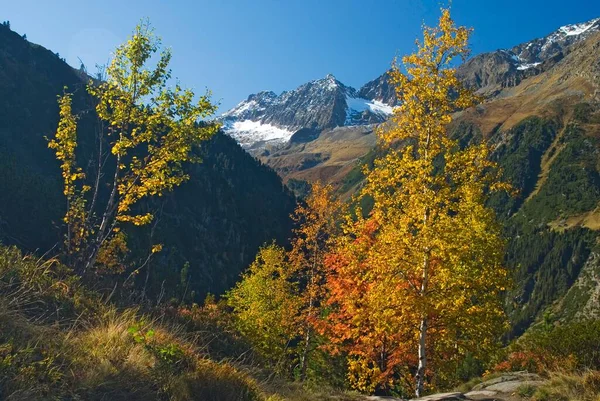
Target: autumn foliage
[
  {"x": 416, "y": 284},
  {"x": 146, "y": 133},
  {"x": 279, "y": 299}
]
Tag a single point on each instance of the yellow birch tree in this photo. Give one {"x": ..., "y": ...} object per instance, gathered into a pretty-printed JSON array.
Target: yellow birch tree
[
  {"x": 315, "y": 221},
  {"x": 428, "y": 259},
  {"x": 146, "y": 133}
]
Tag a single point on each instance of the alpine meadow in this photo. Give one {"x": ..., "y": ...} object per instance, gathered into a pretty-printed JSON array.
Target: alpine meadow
[{"x": 431, "y": 235}]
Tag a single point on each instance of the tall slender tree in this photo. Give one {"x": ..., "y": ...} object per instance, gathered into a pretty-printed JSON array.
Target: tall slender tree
[
  {"x": 146, "y": 132},
  {"x": 417, "y": 284},
  {"x": 286, "y": 288},
  {"x": 316, "y": 224}
]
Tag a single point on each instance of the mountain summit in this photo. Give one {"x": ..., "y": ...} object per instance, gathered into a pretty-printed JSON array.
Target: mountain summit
[{"x": 318, "y": 105}]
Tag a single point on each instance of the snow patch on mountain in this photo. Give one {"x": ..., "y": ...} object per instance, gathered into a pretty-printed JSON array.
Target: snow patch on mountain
[
  {"x": 248, "y": 132},
  {"x": 570, "y": 32},
  {"x": 577, "y": 29},
  {"x": 526, "y": 66},
  {"x": 357, "y": 106}
]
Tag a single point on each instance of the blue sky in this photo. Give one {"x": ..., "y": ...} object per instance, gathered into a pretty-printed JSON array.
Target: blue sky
[{"x": 238, "y": 47}]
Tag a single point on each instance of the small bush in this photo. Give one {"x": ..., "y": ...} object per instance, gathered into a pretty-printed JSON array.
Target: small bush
[
  {"x": 570, "y": 347},
  {"x": 542, "y": 394},
  {"x": 468, "y": 386},
  {"x": 526, "y": 390},
  {"x": 521, "y": 360}
]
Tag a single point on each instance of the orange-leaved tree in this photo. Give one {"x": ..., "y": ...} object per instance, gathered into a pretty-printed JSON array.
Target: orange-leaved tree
[
  {"x": 145, "y": 134},
  {"x": 278, "y": 300},
  {"x": 316, "y": 224},
  {"x": 417, "y": 284}
]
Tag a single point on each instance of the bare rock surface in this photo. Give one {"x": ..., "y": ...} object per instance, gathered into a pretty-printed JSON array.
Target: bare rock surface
[
  {"x": 478, "y": 394},
  {"x": 502, "y": 388},
  {"x": 512, "y": 386},
  {"x": 510, "y": 382}
]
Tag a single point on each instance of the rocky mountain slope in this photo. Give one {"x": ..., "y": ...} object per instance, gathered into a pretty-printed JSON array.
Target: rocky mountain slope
[{"x": 266, "y": 119}]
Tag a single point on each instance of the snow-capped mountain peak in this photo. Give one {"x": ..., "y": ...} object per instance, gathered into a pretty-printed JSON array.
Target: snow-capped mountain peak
[
  {"x": 252, "y": 106},
  {"x": 578, "y": 29},
  {"x": 490, "y": 72},
  {"x": 536, "y": 51},
  {"x": 329, "y": 82},
  {"x": 318, "y": 105}
]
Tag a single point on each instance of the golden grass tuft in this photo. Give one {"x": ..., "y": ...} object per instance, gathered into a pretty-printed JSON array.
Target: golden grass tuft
[
  {"x": 570, "y": 387},
  {"x": 58, "y": 341}
]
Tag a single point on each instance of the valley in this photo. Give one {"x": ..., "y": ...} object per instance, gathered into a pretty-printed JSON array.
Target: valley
[{"x": 432, "y": 234}]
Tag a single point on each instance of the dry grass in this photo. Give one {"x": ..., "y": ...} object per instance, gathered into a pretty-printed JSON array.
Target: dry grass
[
  {"x": 589, "y": 220},
  {"x": 549, "y": 156},
  {"x": 570, "y": 387},
  {"x": 57, "y": 342}
]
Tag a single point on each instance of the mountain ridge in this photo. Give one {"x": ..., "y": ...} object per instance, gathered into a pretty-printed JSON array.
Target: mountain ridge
[{"x": 266, "y": 118}]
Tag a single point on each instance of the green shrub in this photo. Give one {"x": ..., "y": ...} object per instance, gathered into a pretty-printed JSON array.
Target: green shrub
[
  {"x": 573, "y": 345},
  {"x": 526, "y": 390}
]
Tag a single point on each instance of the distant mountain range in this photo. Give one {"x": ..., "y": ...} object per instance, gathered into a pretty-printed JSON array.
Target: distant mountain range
[
  {"x": 317, "y": 105},
  {"x": 266, "y": 118}
]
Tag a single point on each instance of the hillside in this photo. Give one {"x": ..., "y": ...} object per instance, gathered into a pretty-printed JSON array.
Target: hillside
[
  {"x": 216, "y": 222},
  {"x": 541, "y": 115},
  {"x": 152, "y": 251}
]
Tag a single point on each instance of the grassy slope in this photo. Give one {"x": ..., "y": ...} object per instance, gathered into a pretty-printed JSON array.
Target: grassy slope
[{"x": 61, "y": 341}]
